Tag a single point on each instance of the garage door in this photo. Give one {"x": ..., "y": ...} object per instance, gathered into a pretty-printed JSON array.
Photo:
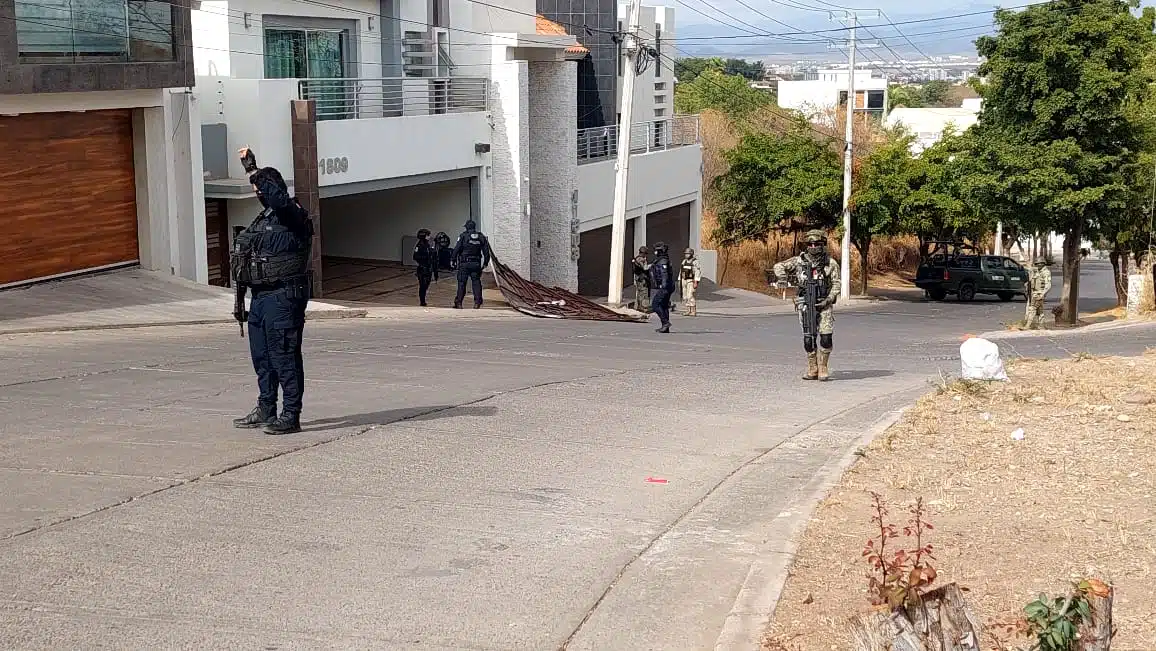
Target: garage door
[
  {"x": 671, "y": 226},
  {"x": 69, "y": 194},
  {"x": 594, "y": 260}
]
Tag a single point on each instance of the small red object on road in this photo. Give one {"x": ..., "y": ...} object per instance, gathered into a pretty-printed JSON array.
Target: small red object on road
[{"x": 655, "y": 480}]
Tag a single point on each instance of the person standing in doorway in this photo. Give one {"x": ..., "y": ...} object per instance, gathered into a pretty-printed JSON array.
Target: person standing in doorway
[
  {"x": 426, "y": 260},
  {"x": 471, "y": 255},
  {"x": 661, "y": 286},
  {"x": 689, "y": 274}
]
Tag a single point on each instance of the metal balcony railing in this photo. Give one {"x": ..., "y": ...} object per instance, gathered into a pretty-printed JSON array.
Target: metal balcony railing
[
  {"x": 349, "y": 99},
  {"x": 600, "y": 143}
]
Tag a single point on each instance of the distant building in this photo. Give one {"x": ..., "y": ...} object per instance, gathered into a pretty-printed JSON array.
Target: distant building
[
  {"x": 826, "y": 89},
  {"x": 928, "y": 124}
]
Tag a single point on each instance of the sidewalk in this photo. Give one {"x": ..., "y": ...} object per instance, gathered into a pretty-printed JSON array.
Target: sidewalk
[{"x": 127, "y": 299}]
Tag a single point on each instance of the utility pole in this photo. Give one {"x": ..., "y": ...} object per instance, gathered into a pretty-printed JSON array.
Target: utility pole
[
  {"x": 999, "y": 237},
  {"x": 618, "y": 225},
  {"x": 851, "y": 17}
]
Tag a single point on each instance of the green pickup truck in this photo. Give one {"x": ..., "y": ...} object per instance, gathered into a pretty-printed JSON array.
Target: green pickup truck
[{"x": 967, "y": 275}]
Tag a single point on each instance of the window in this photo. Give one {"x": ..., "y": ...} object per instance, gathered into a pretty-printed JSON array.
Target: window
[
  {"x": 875, "y": 99},
  {"x": 304, "y": 53},
  {"x": 658, "y": 50},
  {"x": 95, "y": 30}
]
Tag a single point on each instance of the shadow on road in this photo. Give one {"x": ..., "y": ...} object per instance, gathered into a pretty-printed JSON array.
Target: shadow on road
[
  {"x": 394, "y": 415},
  {"x": 860, "y": 375}
]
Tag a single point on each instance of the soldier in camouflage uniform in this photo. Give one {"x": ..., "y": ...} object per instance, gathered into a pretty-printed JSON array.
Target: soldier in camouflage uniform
[
  {"x": 689, "y": 275},
  {"x": 815, "y": 263},
  {"x": 1041, "y": 284},
  {"x": 642, "y": 280}
]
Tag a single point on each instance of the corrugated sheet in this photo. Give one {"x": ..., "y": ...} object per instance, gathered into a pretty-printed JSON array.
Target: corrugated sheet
[{"x": 552, "y": 302}]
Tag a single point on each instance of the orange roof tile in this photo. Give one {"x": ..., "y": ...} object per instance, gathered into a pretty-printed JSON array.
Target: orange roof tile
[{"x": 547, "y": 27}]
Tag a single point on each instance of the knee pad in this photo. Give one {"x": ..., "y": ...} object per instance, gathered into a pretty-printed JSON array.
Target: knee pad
[
  {"x": 826, "y": 341},
  {"x": 809, "y": 344}
]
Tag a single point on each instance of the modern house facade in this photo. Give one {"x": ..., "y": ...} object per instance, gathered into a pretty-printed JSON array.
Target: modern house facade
[
  {"x": 98, "y": 169},
  {"x": 826, "y": 91},
  {"x": 387, "y": 116}
]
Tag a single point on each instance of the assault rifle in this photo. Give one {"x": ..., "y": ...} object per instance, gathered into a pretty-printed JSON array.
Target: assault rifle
[{"x": 810, "y": 293}]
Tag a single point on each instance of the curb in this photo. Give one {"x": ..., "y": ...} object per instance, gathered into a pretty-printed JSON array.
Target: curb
[
  {"x": 316, "y": 315},
  {"x": 1066, "y": 332},
  {"x": 754, "y": 606}
]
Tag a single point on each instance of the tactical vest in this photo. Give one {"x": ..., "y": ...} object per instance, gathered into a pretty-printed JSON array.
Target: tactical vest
[
  {"x": 253, "y": 264},
  {"x": 688, "y": 269},
  {"x": 472, "y": 248},
  {"x": 814, "y": 271}
]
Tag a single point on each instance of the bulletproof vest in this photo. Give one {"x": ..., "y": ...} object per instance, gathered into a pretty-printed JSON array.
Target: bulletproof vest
[
  {"x": 688, "y": 269},
  {"x": 472, "y": 247},
  {"x": 422, "y": 253},
  {"x": 660, "y": 274},
  {"x": 268, "y": 253},
  {"x": 815, "y": 270}
]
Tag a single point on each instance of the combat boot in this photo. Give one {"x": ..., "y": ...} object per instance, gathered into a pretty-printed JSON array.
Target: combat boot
[
  {"x": 285, "y": 424},
  {"x": 812, "y": 367},
  {"x": 261, "y": 415},
  {"x": 664, "y": 329},
  {"x": 824, "y": 356},
  {"x": 694, "y": 311}
]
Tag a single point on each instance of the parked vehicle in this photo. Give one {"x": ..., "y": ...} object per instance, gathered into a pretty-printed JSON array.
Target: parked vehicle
[{"x": 948, "y": 271}]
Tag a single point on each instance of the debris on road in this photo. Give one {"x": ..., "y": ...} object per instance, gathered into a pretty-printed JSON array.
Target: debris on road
[
  {"x": 1077, "y": 499},
  {"x": 553, "y": 302}
]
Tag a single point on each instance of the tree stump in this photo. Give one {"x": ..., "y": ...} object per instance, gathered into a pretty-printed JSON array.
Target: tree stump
[
  {"x": 942, "y": 621},
  {"x": 1096, "y": 635}
]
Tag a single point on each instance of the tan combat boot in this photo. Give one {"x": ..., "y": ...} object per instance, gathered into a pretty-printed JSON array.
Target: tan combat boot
[
  {"x": 824, "y": 374},
  {"x": 812, "y": 367}
]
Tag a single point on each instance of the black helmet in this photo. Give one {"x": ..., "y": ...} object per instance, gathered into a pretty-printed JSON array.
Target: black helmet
[
  {"x": 470, "y": 225},
  {"x": 660, "y": 247},
  {"x": 423, "y": 232}
]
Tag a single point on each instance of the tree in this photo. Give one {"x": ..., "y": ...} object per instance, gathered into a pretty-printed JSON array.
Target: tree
[
  {"x": 905, "y": 97},
  {"x": 774, "y": 180},
  {"x": 712, "y": 89},
  {"x": 885, "y": 183},
  {"x": 936, "y": 93},
  {"x": 688, "y": 68},
  {"x": 940, "y": 206},
  {"x": 752, "y": 71},
  {"x": 1053, "y": 132}
]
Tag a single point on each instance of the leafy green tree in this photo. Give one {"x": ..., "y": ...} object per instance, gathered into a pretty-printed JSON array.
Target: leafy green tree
[
  {"x": 936, "y": 93},
  {"x": 905, "y": 96},
  {"x": 885, "y": 183},
  {"x": 774, "y": 180},
  {"x": 686, "y": 69},
  {"x": 1053, "y": 139},
  {"x": 940, "y": 206},
  {"x": 753, "y": 71},
  {"x": 713, "y": 89}
]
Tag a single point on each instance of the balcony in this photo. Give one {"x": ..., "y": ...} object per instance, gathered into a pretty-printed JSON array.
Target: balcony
[
  {"x": 601, "y": 143},
  {"x": 360, "y": 99}
]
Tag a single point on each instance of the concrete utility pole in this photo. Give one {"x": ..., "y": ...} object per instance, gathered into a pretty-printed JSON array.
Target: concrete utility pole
[
  {"x": 999, "y": 238},
  {"x": 848, "y": 158},
  {"x": 618, "y": 225}
]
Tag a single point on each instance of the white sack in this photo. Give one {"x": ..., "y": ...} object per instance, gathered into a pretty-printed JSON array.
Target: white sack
[{"x": 981, "y": 361}]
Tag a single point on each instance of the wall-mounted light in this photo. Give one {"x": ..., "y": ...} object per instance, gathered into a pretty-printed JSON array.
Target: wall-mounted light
[{"x": 371, "y": 23}]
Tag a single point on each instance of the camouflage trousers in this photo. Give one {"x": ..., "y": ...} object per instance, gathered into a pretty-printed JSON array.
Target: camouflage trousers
[
  {"x": 1035, "y": 312},
  {"x": 688, "y": 290},
  {"x": 641, "y": 298},
  {"x": 826, "y": 321}
]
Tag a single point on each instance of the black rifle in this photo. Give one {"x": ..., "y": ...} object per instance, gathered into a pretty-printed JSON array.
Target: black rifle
[
  {"x": 239, "y": 312},
  {"x": 811, "y": 293}
]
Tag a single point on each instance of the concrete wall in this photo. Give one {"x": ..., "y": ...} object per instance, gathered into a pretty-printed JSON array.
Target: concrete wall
[
  {"x": 169, "y": 192},
  {"x": 814, "y": 97},
  {"x": 372, "y": 225},
  {"x": 657, "y": 180},
  {"x": 257, "y": 114},
  {"x": 654, "y": 88},
  {"x": 553, "y": 120}
]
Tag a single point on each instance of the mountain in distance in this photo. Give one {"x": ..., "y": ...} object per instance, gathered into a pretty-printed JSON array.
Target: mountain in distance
[{"x": 942, "y": 31}]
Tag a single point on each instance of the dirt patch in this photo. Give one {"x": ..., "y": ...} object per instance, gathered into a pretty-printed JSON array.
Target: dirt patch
[{"x": 1013, "y": 518}]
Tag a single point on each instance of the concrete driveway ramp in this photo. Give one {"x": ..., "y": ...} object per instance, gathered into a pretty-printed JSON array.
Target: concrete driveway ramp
[{"x": 125, "y": 299}]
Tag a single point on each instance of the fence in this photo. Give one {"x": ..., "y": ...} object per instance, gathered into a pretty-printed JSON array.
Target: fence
[
  {"x": 349, "y": 99},
  {"x": 600, "y": 143}
]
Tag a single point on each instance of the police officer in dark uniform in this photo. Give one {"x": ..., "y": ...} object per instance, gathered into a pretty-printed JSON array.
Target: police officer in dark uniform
[
  {"x": 444, "y": 251},
  {"x": 426, "y": 259},
  {"x": 471, "y": 255},
  {"x": 271, "y": 260},
  {"x": 662, "y": 285}
]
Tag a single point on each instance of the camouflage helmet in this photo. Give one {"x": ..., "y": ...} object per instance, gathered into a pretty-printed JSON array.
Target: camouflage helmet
[
  {"x": 643, "y": 250},
  {"x": 815, "y": 235},
  {"x": 1041, "y": 263},
  {"x": 688, "y": 251}
]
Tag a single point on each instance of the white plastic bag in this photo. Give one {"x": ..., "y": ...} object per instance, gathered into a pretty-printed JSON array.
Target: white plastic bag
[{"x": 981, "y": 361}]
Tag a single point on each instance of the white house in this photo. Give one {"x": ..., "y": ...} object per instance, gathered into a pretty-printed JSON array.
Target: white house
[
  {"x": 387, "y": 116},
  {"x": 827, "y": 90},
  {"x": 928, "y": 124}
]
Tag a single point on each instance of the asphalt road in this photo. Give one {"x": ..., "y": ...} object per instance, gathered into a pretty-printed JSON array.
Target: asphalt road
[{"x": 464, "y": 483}]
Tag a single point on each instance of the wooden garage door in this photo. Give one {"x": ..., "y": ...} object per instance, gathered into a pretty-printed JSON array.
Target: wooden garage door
[{"x": 69, "y": 193}]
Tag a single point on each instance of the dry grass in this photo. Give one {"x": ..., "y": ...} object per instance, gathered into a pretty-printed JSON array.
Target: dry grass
[{"x": 1013, "y": 518}]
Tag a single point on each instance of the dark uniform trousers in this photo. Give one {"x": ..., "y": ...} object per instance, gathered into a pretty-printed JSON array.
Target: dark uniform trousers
[
  {"x": 424, "y": 278},
  {"x": 276, "y": 324},
  {"x": 474, "y": 275},
  {"x": 660, "y": 305}
]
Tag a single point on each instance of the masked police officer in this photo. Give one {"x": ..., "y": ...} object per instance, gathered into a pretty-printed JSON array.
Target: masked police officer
[
  {"x": 270, "y": 259},
  {"x": 471, "y": 255},
  {"x": 427, "y": 265},
  {"x": 661, "y": 286}
]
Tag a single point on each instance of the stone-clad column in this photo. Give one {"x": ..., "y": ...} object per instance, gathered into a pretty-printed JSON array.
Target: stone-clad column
[
  {"x": 553, "y": 118},
  {"x": 305, "y": 187}
]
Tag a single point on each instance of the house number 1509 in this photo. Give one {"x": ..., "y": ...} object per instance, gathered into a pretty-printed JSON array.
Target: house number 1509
[{"x": 332, "y": 165}]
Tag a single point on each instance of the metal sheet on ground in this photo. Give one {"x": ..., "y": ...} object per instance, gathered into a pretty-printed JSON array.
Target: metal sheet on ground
[{"x": 554, "y": 302}]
